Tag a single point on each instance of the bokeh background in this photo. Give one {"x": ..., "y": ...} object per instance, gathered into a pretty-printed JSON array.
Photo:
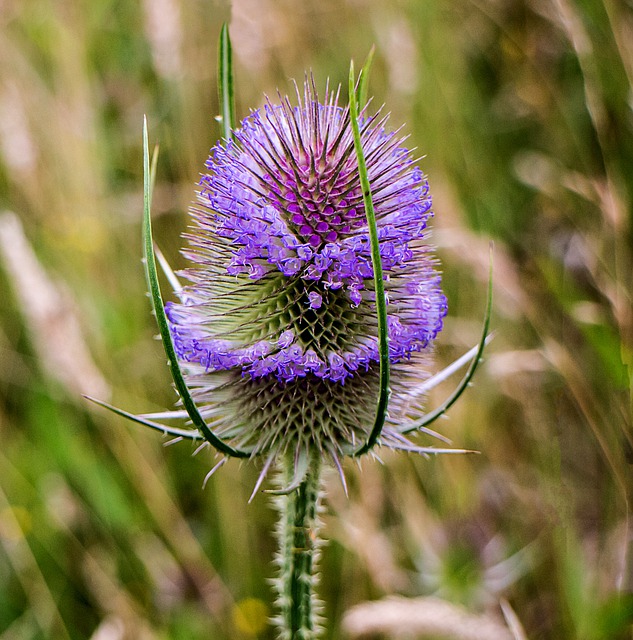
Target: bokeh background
[{"x": 522, "y": 110}]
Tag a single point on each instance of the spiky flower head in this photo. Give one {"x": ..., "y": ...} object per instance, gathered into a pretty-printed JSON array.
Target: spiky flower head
[{"x": 277, "y": 331}]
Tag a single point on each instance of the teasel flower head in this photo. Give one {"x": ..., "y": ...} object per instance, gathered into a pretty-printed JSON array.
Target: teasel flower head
[{"x": 277, "y": 331}]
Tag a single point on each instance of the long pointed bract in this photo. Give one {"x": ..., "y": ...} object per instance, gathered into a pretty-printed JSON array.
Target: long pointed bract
[
  {"x": 225, "y": 84},
  {"x": 161, "y": 318},
  {"x": 363, "y": 80},
  {"x": 190, "y": 434},
  {"x": 450, "y": 401},
  {"x": 381, "y": 306}
]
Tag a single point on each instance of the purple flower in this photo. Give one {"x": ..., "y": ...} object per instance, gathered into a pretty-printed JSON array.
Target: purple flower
[
  {"x": 316, "y": 300},
  {"x": 280, "y": 308}
]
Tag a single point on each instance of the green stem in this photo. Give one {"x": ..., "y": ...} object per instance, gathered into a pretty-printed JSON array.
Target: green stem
[{"x": 298, "y": 553}]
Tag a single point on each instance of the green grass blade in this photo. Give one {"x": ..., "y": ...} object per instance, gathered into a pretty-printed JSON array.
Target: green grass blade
[
  {"x": 163, "y": 326},
  {"x": 190, "y": 434},
  {"x": 379, "y": 285},
  {"x": 363, "y": 80},
  {"x": 450, "y": 401},
  {"x": 225, "y": 83}
]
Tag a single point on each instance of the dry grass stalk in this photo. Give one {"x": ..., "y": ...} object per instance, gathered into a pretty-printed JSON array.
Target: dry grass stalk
[
  {"x": 397, "y": 617},
  {"x": 50, "y": 315}
]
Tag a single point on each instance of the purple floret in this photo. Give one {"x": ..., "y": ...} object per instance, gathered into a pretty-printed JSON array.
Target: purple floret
[{"x": 283, "y": 201}]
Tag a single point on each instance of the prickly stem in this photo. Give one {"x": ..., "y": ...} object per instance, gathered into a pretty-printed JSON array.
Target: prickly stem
[{"x": 298, "y": 529}]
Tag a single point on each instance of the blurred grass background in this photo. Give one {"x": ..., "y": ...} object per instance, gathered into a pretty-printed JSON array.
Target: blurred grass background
[{"x": 523, "y": 110}]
